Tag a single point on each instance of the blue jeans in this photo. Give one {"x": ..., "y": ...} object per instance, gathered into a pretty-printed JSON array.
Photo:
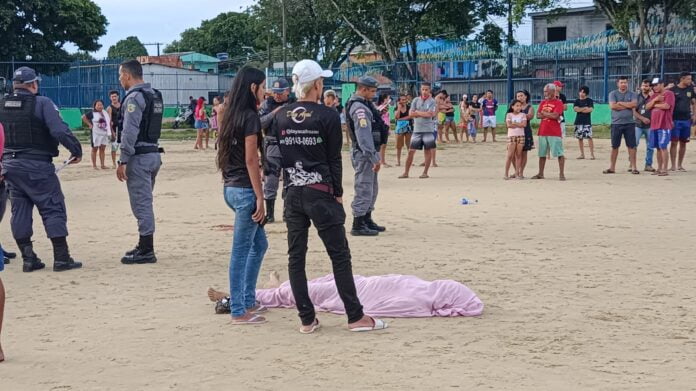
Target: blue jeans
[
  {"x": 649, "y": 151},
  {"x": 249, "y": 245}
]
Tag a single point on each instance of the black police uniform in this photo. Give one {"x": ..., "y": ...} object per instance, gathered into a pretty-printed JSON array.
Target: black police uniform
[
  {"x": 33, "y": 130},
  {"x": 271, "y": 153}
]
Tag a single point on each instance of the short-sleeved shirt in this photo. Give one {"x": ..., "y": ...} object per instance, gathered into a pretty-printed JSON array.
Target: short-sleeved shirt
[
  {"x": 551, "y": 127},
  {"x": 101, "y": 122},
  {"x": 583, "y": 118},
  {"x": 516, "y": 119},
  {"x": 423, "y": 125},
  {"x": 642, "y": 110},
  {"x": 235, "y": 173},
  {"x": 489, "y": 107},
  {"x": 621, "y": 117},
  {"x": 682, "y": 104},
  {"x": 660, "y": 118}
]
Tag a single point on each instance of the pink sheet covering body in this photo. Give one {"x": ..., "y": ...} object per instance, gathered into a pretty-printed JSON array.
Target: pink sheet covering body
[{"x": 393, "y": 296}]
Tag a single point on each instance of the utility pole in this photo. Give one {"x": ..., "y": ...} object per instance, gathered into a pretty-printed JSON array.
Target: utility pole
[
  {"x": 285, "y": 55},
  {"x": 510, "y": 42},
  {"x": 155, "y": 44}
]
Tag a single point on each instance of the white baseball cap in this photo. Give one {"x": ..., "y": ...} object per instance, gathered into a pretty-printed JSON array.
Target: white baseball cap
[{"x": 308, "y": 70}]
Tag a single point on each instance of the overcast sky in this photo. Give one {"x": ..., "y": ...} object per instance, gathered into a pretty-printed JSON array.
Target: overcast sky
[{"x": 164, "y": 20}]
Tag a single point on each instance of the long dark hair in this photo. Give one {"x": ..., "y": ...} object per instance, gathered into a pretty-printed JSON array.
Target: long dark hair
[
  {"x": 242, "y": 100},
  {"x": 525, "y": 93}
]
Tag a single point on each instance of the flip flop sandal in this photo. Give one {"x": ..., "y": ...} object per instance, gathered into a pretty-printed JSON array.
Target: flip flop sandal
[
  {"x": 423, "y": 177},
  {"x": 635, "y": 172},
  {"x": 256, "y": 319},
  {"x": 663, "y": 174},
  {"x": 315, "y": 326},
  {"x": 379, "y": 325},
  {"x": 537, "y": 177},
  {"x": 682, "y": 169},
  {"x": 608, "y": 171},
  {"x": 260, "y": 309}
]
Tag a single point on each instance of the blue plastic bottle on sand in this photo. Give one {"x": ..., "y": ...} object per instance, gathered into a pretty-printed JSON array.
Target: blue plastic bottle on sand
[{"x": 466, "y": 201}]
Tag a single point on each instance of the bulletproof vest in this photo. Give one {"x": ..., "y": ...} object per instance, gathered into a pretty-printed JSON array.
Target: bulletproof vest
[
  {"x": 380, "y": 131},
  {"x": 23, "y": 129},
  {"x": 151, "y": 122}
]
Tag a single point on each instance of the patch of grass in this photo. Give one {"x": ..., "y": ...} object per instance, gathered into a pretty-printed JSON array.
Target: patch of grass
[{"x": 167, "y": 135}]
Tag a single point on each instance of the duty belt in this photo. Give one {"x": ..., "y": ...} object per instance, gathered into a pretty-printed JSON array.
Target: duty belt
[
  {"x": 148, "y": 149},
  {"x": 27, "y": 156}
]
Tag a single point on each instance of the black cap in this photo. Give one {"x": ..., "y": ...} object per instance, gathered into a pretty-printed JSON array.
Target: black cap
[
  {"x": 368, "y": 81},
  {"x": 280, "y": 85},
  {"x": 25, "y": 75}
]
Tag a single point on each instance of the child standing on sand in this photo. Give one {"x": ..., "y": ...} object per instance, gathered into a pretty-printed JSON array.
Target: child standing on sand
[
  {"x": 467, "y": 121},
  {"x": 516, "y": 122}
]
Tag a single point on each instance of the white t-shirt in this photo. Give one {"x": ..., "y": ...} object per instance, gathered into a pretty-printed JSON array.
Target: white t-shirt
[{"x": 101, "y": 123}]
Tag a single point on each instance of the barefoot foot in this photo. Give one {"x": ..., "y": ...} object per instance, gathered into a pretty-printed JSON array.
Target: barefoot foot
[{"x": 214, "y": 295}]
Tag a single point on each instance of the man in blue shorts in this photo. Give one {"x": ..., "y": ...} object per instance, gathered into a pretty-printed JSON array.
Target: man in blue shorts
[
  {"x": 662, "y": 107},
  {"x": 423, "y": 111},
  {"x": 684, "y": 117}
]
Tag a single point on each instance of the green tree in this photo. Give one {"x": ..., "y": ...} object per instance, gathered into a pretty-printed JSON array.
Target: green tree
[
  {"x": 41, "y": 28},
  {"x": 389, "y": 25},
  {"x": 227, "y": 32},
  {"x": 82, "y": 56},
  {"x": 128, "y": 48},
  {"x": 313, "y": 30},
  {"x": 639, "y": 21}
]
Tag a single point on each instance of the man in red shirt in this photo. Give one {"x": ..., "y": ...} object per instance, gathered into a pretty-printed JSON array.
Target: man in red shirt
[
  {"x": 550, "y": 112},
  {"x": 661, "y": 123}
]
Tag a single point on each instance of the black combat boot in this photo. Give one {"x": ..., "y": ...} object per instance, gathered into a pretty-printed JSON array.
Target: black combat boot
[
  {"x": 144, "y": 252},
  {"x": 31, "y": 261},
  {"x": 270, "y": 211},
  {"x": 62, "y": 261},
  {"x": 372, "y": 225},
  {"x": 360, "y": 228}
]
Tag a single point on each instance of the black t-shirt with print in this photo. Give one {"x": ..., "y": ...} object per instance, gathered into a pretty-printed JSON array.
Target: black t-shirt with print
[
  {"x": 235, "y": 173},
  {"x": 682, "y": 102},
  {"x": 583, "y": 118},
  {"x": 310, "y": 140}
]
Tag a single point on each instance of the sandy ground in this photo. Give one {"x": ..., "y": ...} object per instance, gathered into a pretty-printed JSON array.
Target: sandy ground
[{"x": 588, "y": 284}]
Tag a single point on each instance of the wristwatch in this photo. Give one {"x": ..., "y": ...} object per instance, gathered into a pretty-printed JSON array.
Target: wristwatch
[{"x": 120, "y": 163}]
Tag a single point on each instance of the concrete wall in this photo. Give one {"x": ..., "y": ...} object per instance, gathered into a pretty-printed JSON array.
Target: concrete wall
[
  {"x": 177, "y": 84},
  {"x": 577, "y": 24}
]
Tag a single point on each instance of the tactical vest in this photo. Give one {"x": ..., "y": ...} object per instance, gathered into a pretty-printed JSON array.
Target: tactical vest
[
  {"x": 23, "y": 129},
  {"x": 151, "y": 122},
  {"x": 380, "y": 131}
]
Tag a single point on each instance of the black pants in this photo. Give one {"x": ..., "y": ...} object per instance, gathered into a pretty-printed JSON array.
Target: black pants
[{"x": 302, "y": 206}]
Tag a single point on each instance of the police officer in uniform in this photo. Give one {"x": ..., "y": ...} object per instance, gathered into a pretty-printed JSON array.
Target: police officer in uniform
[
  {"x": 33, "y": 130},
  {"x": 271, "y": 167},
  {"x": 367, "y": 132},
  {"x": 141, "y": 123}
]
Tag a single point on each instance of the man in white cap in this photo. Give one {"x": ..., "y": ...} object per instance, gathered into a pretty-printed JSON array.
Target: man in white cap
[{"x": 310, "y": 140}]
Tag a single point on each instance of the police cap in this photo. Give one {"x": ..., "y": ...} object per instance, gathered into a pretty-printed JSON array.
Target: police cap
[
  {"x": 368, "y": 81},
  {"x": 280, "y": 85},
  {"x": 25, "y": 75}
]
